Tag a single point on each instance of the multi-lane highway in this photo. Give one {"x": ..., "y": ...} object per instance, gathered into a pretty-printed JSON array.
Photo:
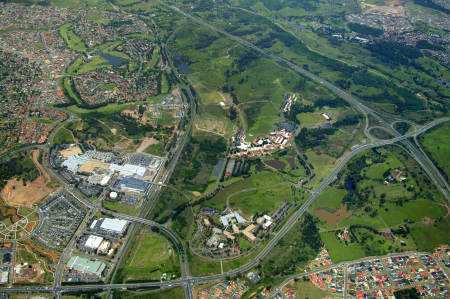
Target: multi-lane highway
[
  {"x": 187, "y": 281},
  {"x": 426, "y": 163}
]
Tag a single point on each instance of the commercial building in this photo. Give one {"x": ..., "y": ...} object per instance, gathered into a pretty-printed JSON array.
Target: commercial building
[
  {"x": 84, "y": 265},
  {"x": 117, "y": 226},
  {"x": 230, "y": 217},
  {"x": 132, "y": 185},
  {"x": 248, "y": 232},
  {"x": 128, "y": 169},
  {"x": 93, "y": 242}
]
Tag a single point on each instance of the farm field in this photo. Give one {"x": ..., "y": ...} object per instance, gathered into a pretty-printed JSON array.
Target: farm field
[{"x": 148, "y": 258}]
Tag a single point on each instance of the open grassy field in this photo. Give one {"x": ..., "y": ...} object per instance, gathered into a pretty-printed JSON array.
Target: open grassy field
[
  {"x": 63, "y": 136},
  {"x": 338, "y": 250},
  {"x": 220, "y": 65},
  {"x": 383, "y": 189},
  {"x": 262, "y": 201},
  {"x": 436, "y": 144},
  {"x": 279, "y": 28},
  {"x": 73, "y": 41},
  {"x": 120, "y": 207},
  {"x": 306, "y": 290},
  {"x": 257, "y": 180},
  {"x": 175, "y": 292},
  {"x": 150, "y": 256}
]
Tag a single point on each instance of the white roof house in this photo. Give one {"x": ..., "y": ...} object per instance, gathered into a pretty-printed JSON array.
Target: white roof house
[
  {"x": 114, "y": 225},
  {"x": 93, "y": 242}
]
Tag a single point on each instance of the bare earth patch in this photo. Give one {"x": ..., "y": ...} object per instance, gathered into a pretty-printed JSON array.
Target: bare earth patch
[
  {"x": 196, "y": 193},
  {"x": 52, "y": 255},
  {"x": 114, "y": 131},
  {"x": 333, "y": 218},
  {"x": 17, "y": 195},
  {"x": 391, "y": 7},
  {"x": 34, "y": 158},
  {"x": 146, "y": 142}
]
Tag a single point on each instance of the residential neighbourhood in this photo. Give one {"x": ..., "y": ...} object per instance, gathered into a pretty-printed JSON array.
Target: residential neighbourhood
[{"x": 381, "y": 277}]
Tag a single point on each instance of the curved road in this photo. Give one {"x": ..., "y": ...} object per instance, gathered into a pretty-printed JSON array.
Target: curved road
[
  {"x": 422, "y": 159},
  {"x": 189, "y": 281}
]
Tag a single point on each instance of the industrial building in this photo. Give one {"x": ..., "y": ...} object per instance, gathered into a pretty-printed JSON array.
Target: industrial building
[{"x": 85, "y": 266}]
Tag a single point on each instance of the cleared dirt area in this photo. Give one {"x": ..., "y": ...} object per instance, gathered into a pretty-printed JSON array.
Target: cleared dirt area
[
  {"x": 30, "y": 274},
  {"x": 391, "y": 7},
  {"x": 52, "y": 255},
  {"x": 146, "y": 142},
  {"x": 17, "y": 195},
  {"x": 212, "y": 126},
  {"x": 91, "y": 165},
  {"x": 196, "y": 193},
  {"x": 70, "y": 152},
  {"x": 333, "y": 218},
  {"x": 35, "y": 159}
]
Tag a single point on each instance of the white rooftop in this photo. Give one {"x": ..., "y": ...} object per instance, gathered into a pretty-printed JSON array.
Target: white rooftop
[
  {"x": 73, "y": 162},
  {"x": 93, "y": 224},
  {"x": 93, "y": 242},
  {"x": 225, "y": 219},
  {"x": 128, "y": 169},
  {"x": 115, "y": 225}
]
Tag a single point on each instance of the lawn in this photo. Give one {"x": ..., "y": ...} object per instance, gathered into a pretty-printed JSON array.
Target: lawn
[
  {"x": 175, "y": 292},
  {"x": 150, "y": 257},
  {"x": 68, "y": 87},
  {"x": 155, "y": 59}
]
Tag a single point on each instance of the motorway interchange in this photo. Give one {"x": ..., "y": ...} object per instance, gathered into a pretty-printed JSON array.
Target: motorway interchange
[{"x": 187, "y": 281}]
